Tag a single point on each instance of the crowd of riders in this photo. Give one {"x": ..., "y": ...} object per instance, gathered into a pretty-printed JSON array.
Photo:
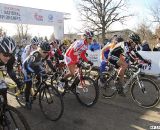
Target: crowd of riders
[{"x": 117, "y": 52}]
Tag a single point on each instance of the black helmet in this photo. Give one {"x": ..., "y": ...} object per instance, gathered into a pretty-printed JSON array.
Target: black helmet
[
  {"x": 34, "y": 41},
  {"x": 57, "y": 42},
  {"x": 135, "y": 38},
  {"x": 45, "y": 46},
  {"x": 7, "y": 45}
]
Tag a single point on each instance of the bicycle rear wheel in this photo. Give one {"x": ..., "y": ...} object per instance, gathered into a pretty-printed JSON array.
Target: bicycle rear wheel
[
  {"x": 108, "y": 88},
  {"x": 145, "y": 93},
  {"x": 21, "y": 99},
  {"x": 14, "y": 120},
  {"x": 87, "y": 94},
  {"x": 51, "y": 102}
]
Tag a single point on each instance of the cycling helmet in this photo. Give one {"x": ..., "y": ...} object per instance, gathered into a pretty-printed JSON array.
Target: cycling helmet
[
  {"x": 119, "y": 39},
  {"x": 67, "y": 42},
  {"x": 88, "y": 34},
  {"x": 135, "y": 38},
  {"x": 56, "y": 42},
  {"x": 45, "y": 46},
  {"x": 7, "y": 45},
  {"x": 34, "y": 41}
]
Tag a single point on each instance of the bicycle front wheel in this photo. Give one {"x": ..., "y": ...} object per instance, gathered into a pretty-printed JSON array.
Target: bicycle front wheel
[
  {"x": 108, "y": 88},
  {"x": 88, "y": 93},
  {"x": 51, "y": 102},
  {"x": 13, "y": 120},
  {"x": 145, "y": 93}
]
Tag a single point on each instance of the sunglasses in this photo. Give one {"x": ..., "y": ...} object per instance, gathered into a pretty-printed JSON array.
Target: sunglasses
[
  {"x": 7, "y": 54},
  {"x": 45, "y": 52}
]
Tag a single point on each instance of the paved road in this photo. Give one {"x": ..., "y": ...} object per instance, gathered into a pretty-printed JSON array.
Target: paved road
[{"x": 117, "y": 114}]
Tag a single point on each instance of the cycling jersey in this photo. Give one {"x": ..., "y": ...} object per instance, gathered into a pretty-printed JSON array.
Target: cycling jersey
[
  {"x": 56, "y": 54},
  {"x": 123, "y": 49},
  {"x": 104, "y": 56},
  {"x": 105, "y": 50},
  {"x": 34, "y": 62},
  {"x": 75, "y": 51},
  {"x": 27, "y": 50}
]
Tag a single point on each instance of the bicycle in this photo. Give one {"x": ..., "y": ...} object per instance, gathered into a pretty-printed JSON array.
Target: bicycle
[
  {"x": 82, "y": 86},
  {"x": 18, "y": 70},
  {"x": 12, "y": 87},
  {"x": 48, "y": 96},
  {"x": 144, "y": 91},
  {"x": 10, "y": 117}
]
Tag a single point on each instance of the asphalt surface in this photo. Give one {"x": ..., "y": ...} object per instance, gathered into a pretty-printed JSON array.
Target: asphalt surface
[{"x": 119, "y": 113}]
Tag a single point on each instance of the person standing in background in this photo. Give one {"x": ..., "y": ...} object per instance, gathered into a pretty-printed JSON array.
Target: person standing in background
[
  {"x": 158, "y": 44},
  {"x": 94, "y": 45}
]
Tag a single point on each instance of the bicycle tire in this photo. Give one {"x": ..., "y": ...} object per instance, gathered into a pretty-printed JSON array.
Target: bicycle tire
[
  {"x": 107, "y": 89},
  {"x": 21, "y": 99},
  {"x": 81, "y": 99},
  {"x": 14, "y": 115},
  {"x": 45, "y": 91},
  {"x": 54, "y": 80},
  {"x": 153, "y": 93}
]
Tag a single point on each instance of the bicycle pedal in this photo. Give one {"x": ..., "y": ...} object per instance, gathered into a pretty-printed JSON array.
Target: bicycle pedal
[
  {"x": 18, "y": 93},
  {"x": 114, "y": 88},
  {"x": 49, "y": 102},
  {"x": 85, "y": 89}
]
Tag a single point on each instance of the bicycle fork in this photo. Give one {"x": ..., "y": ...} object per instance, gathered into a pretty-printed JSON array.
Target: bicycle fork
[
  {"x": 82, "y": 82},
  {"x": 141, "y": 85}
]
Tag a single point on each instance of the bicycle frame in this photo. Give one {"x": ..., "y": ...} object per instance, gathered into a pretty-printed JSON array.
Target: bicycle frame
[
  {"x": 132, "y": 77},
  {"x": 2, "y": 111},
  {"x": 42, "y": 81},
  {"x": 79, "y": 76}
]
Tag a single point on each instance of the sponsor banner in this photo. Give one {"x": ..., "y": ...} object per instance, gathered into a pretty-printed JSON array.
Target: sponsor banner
[
  {"x": 24, "y": 15},
  {"x": 94, "y": 56},
  {"x": 150, "y": 55},
  {"x": 155, "y": 60}
]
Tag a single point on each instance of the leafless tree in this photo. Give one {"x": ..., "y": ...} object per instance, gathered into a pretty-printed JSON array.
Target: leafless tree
[
  {"x": 22, "y": 32},
  {"x": 155, "y": 12},
  {"x": 99, "y": 15},
  {"x": 52, "y": 37},
  {"x": 145, "y": 33}
]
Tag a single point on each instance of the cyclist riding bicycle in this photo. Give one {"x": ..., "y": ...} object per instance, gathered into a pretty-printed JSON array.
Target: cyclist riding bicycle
[
  {"x": 76, "y": 51},
  {"x": 56, "y": 52},
  {"x": 34, "y": 64},
  {"x": 30, "y": 48},
  {"x": 7, "y": 48},
  {"x": 104, "y": 54},
  {"x": 121, "y": 55}
]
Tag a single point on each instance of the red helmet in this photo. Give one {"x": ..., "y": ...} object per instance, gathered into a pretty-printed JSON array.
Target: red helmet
[{"x": 88, "y": 34}]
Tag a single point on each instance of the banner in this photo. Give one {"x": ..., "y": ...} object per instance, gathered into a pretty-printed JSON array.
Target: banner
[
  {"x": 94, "y": 56},
  {"x": 153, "y": 56},
  {"x": 25, "y": 15}
]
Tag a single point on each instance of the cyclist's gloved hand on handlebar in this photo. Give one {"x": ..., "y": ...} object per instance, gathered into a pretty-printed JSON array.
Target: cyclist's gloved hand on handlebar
[
  {"x": 147, "y": 61},
  {"x": 78, "y": 65},
  {"x": 90, "y": 62},
  {"x": 43, "y": 74}
]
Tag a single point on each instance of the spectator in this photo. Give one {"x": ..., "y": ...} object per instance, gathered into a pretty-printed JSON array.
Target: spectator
[
  {"x": 94, "y": 45},
  {"x": 155, "y": 49},
  {"x": 158, "y": 44},
  {"x": 139, "y": 47},
  {"x": 145, "y": 46}
]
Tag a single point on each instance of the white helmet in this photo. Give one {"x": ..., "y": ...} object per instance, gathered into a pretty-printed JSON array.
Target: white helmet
[
  {"x": 7, "y": 45},
  {"x": 35, "y": 41}
]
